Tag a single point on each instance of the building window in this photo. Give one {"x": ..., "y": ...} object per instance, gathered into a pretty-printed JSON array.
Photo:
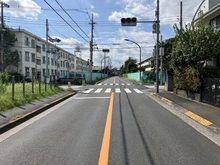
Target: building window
[
  {"x": 27, "y": 72},
  {"x": 38, "y": 49},
  {"x": 27, "y": 57},
  {"x": 213, "y": 23},
  {"x": 43, "y": 47},
  {"x": 33, "y": 59},
  {"x": 44, "y": 72},
  {"x": 33, "y": 45},
  {"x": 52, "y": 62},
  {"x": 38, "y": 62},
  {"x": 33, "y": 71},
  {"x": 200, "y": 13},
  {"x": 44, "y": 60},
  {"x": 26, "y": 41}
]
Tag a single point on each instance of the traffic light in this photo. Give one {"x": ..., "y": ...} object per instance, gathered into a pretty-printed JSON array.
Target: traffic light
[{"x": 129, "y": 21}]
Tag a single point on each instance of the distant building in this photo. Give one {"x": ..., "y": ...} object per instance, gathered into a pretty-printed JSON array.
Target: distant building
[
  {"x": 33, "y": 52},
  {"x": 96, "y": 68},
  {"x": 146, "y": 64}
]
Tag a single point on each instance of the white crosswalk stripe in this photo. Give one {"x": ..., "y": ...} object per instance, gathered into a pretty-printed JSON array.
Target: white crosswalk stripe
[
  {"x": 113, "y": 84},
  {"x": 98, "y": 90},
  {"x": 127, "y": 90},
  {"x": 108, "y": 90},
  {"x": 117, "y": 90},
  {"x": 88, "y": 91},
  {"x": 137, "y": 90}
]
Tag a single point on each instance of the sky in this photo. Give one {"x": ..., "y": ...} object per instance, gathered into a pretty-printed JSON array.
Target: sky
[{"x": 70, "y": 21}]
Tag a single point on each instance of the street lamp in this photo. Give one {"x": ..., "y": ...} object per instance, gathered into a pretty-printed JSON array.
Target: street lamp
[{"x": 140, "y": 54}]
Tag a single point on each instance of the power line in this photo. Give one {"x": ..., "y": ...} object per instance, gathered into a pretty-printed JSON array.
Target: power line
[
  {"x": 72, "y": 19},
  {"x": 58, "y": 32},
  {"x": 65, "y": 21}
]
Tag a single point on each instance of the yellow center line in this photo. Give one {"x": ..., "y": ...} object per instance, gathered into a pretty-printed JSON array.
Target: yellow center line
[
  {"x": 198, "y": 118},
  {"x": 104, "y": 153}
]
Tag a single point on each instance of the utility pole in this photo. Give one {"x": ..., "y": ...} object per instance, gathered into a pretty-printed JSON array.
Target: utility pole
[
  {"x": 161, "y": 60},
  {"x": 91, "y": 48},
  {"x": 2, "y": 34},
  {"x": 47, "y": 29},
  {"x": 157, "y": 47},
  {"x": 181, "y": 15}
]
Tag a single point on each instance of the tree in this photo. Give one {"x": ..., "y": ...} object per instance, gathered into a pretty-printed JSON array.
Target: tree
[
  {"x": 194, "y": 45},
  {"x": 130, "y": 65},
  {"x": 11, "y": 57}
]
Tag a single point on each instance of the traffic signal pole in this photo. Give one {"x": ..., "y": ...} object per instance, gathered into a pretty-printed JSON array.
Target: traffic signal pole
[{"x": 156, "y": 25}]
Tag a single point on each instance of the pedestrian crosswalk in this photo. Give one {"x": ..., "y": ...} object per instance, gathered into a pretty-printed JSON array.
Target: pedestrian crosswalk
[
  {"x": 109, "y": 90},
  {"x": 113, "y": 84}
]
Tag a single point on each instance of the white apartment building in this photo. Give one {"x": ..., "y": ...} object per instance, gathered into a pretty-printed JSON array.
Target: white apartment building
[{"x": 33, "y": 53}]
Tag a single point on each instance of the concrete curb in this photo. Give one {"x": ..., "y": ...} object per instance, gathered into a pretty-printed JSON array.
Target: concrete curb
[{"x": 11, "y": 124}]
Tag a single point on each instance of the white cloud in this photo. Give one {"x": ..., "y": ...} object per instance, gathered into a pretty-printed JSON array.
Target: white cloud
[
  {"x": 92, "y": 7},
  {"x": 23, "y": 8}
]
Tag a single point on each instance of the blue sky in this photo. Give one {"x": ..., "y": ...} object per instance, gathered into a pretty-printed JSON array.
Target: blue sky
[{"x": 31, "y": 15}]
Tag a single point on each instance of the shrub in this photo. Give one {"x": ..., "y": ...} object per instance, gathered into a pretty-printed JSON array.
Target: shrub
[
  {"x": 187, "y": 79},
  {"x": 5, "y": 78}
]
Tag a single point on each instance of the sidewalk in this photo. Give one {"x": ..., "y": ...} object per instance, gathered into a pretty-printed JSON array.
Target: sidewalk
[{"x": 203, "y": 113}]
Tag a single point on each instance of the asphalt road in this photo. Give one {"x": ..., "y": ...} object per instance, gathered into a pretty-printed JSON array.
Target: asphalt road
[{"x": 113, "y": 123}]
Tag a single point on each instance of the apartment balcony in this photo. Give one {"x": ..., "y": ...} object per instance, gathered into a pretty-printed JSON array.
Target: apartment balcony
[
  {"x": 38, "y": 55},
  {"x": 38, "y": 67}
]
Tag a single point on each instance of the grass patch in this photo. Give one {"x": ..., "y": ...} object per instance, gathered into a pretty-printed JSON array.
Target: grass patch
[
  {"x": 16, "y": 117},
  {"x": 7, "y": 103}
]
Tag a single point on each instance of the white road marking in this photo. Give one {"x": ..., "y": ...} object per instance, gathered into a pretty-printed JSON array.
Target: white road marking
[
  {"x": 88, "y": 91},
  {"x": 116, "y": 84},
  {"x": 98, "y": 90},
  {"x": 117, "y": 90},
  {"x": 111, "y": 83},
  {"x": 127, "y": 90},
  {"x": 100, "y": 84},
  {"x": 106, "y": 84},
  {"x": 84, "y": 98},
  {"x": 122, "y": 84},
  {"x": 137, "y": 90},
  {"x": 128, "y": 84},
  {"x": 108, "y": 90}
]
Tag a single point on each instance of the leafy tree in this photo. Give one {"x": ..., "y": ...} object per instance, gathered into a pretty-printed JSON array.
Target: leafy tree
[
  {"x": 130, "y": 65},
  {"x": 194, "y": 45},
  {"x": 11, "y": 57}
]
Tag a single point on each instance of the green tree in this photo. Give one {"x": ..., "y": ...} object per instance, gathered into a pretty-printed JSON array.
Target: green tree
[
  {"x": 11, "y": 57},
  {"x": 130, "y": 65},
  {"x": 194, "y": 45}
]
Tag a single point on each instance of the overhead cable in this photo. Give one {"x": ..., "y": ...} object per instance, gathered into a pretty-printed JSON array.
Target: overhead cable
[
  {"x": 71, "y": 18},
  {"x": 65, "y": 21}
]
